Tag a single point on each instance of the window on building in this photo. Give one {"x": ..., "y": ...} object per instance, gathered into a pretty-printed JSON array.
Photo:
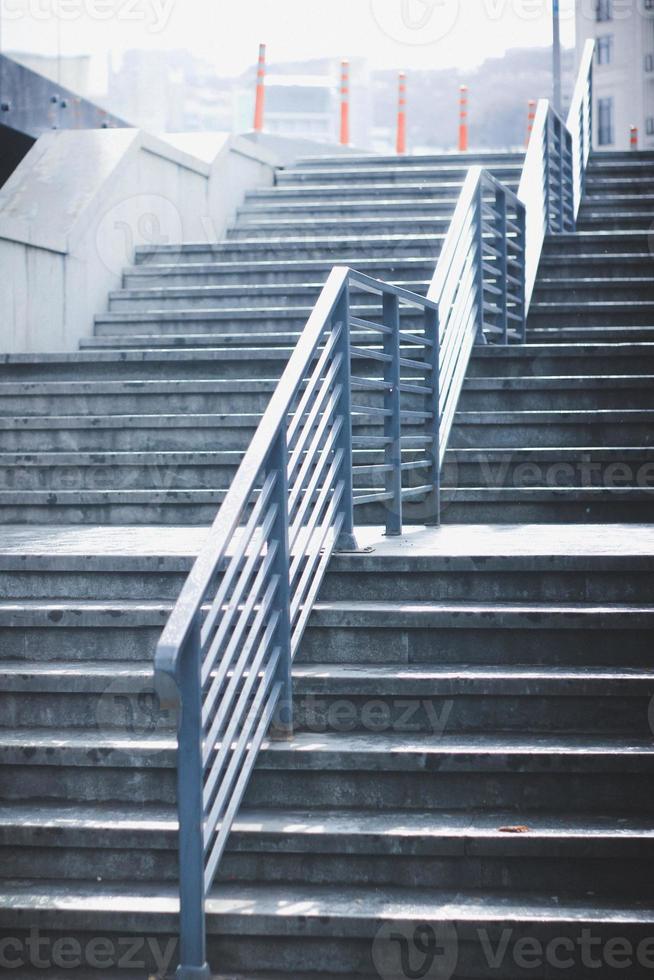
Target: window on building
[
  {"x": 605, "y": 49},
  {"x": 605, "y": 126},
  {"x": 649, "y": 125},
  {"x": 649, "y": 62},
  {"x": 649, "y": 4},
  {"x": 604, "y": 10}
]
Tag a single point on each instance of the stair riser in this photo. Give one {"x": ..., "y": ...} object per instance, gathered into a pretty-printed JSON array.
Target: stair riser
[
  {"x": 128, "y": 439},
  {"x": 409, "y": 225},
  {"x": 300, "y": 295},
  {"x": 239, "y": 944},
  {"x": 560, "y": 511},
  {"x": 135, "y": 709},
  {"x": 619, "y": 876},
  {"x": 158, "y": 476},
  {"x": 217, "y": 276},
  {"x": 544, "y": 473},
  {"x": 478, "y": 580},
  {"x": 388, "y": 208},
  {"x": 137, "y": 404},
  {"x": 133, "y": 436},
  {"x": 599, "y": 266},
  {"x": 560, "y": 247},
  {"x": 623, "y": 221},
  {"x": 178, "y": 508},
  {"x": 551, "y": 435},
  {"x": 493, "y": 161},
  {"x": 334, "y": 247},
  {"x": 523, "y": 792},
  {"x": 544, "y": 363},
  {"x": 573, "y": 874},
  {"x": 603, "y": 291},
  {"x": 600, "y": 187},
  {"x": 620, "y": 316},
  {"x": 42, "y": 645},
  {"x": 160, "y": 366},
  {"x": 472, "y": 580},
  {"x": 638, "y": 199},
  {"x": 590, "y": 335},
  {"x": 404, "y": 175},
  {"x": 488, "y": 644},
  {"x": 557, "y": 399}
]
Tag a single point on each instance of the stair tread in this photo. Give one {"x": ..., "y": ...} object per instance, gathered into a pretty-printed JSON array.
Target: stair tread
[
  {"x": 422, "y": 828},
  {"x": 396, "y": 679},
  {"x": 321, "y": 902},
  {"x": 388, "y": 750}
]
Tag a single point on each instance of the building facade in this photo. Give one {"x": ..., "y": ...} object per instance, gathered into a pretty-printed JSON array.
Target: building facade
[{"x": 624, "y": 69}]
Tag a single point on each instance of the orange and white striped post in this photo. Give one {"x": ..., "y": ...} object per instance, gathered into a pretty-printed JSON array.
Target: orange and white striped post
[
  {"x": 463, "y": 119},
  {"x": 633, "y": 137},
  {"x": 345, "y": 103},
  {"x": 261, "y": 92},
  {"x": 401, "y": 115},
  {"x": 531, "y": 116}
]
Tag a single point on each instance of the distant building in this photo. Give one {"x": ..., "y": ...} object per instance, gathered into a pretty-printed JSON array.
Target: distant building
[{"x": 624, "y": 69}]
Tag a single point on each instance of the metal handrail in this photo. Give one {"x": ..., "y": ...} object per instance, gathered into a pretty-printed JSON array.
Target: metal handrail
[
  {"x": 551, "y": 184},
  {"x": 580, "y": 120},
  {"x": 478, "y": 283},
  {"x": 230, "y": 641}
]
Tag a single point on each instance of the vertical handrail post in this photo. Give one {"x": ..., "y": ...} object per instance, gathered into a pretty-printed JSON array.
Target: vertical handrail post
[
  {"x": 501, "y": 228},
  {"x": 346, "y": 539},
  {"x": 479, "y": 271},
  {"x": 547, "y": 167},
  {"x": 521, "y": 219},
  {"x": 392, "y": 421},
  {"x": 193, "y": 954},
  {"x": 560, "y": 146},
  {"x": 432, "y": 355},
  {"x": 281, "y": 564}
]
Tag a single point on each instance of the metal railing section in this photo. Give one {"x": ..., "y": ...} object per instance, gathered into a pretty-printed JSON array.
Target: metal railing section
[
  {"x": 478, "y": 284},
  {"x": 317, "y": 453},
  {"x": 553, "y": 174},
  {"x": 232, "y": 636},
  {"x": 580, "y": 120}
]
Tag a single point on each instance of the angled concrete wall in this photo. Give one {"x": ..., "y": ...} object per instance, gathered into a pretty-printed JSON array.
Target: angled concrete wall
[{"x": 81, "y": 201}]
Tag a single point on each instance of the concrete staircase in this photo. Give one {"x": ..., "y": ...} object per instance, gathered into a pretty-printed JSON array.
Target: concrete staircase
[
  {"x": 147, "y": 423},
  {"x": 473, "y": 756}
]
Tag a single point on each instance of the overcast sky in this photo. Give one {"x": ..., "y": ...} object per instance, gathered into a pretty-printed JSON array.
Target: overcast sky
[{"x": 390, "y": 33}]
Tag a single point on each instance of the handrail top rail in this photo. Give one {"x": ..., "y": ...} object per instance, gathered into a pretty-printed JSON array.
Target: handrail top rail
[
  {"x": 372, "y": 285},
  {"x": 457, "y": 224},
  {"x": 579, "y": 93},
  {"x": 216, "y": 545}
]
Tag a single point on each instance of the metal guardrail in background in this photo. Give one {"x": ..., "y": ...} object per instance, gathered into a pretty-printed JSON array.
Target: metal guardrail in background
[
  {"x": 230, "y": 641},
  {"x": 553, "y": 174},
  {"x": 580, "y": 120},
  {"x": 478, "y": 284}
]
